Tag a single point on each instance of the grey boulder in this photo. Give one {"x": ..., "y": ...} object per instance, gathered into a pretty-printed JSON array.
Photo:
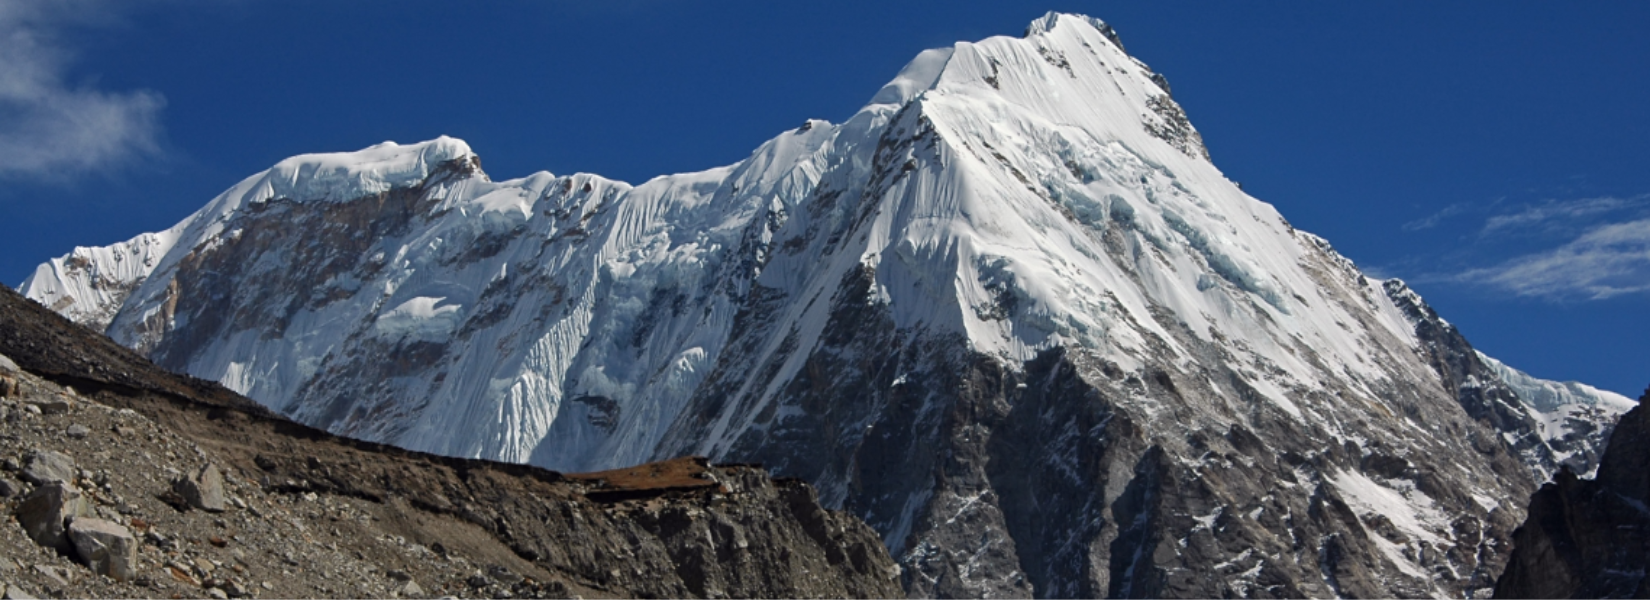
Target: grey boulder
[
  {"x": 203, "y": 489},
  {"x": 44, "y": 512},
  {"x": 107, "y": 548},
  {"x": 47, "y": 466}
]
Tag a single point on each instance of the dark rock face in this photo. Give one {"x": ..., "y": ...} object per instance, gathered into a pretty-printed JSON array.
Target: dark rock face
[
  {"x": 1481, "y": 393},
  {"x": 1589, "y": 538},
  {"x": 681, "y": 528}
]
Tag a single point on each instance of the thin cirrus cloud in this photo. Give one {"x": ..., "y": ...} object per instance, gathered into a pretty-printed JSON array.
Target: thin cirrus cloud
[
  {"x": 1606, "y": 261},
  {"x": 1598, "y": 248},
  {"x": 1432, "y": 220},
  {"x": 1561, "y": 214},
  {"x": 50, "y": 129}
]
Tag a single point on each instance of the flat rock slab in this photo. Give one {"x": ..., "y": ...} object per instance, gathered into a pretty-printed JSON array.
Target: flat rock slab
[{"x": 108, "y": 548}]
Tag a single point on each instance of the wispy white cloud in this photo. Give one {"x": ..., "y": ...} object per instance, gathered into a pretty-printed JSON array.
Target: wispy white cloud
[
  {"x": 1560, "y": 213},
  {"x": 1555, "y": 249},
  {"x": 1432, "y": 220},
  {"x": 49, "y": 128},
  {"x": 1605, "y": 261}
]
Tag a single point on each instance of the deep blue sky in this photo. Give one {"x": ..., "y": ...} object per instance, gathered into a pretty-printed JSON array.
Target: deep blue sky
[{"x": 1495, "y": 155}]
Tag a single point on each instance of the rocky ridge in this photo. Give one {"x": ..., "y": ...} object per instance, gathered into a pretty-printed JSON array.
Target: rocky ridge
[
  {"x": 1589, "y": 538},
  {"x": 179, "y": 488}
]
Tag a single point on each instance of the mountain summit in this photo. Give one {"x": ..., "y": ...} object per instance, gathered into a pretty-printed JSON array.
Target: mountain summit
[{"x": 1009, "y": 313}]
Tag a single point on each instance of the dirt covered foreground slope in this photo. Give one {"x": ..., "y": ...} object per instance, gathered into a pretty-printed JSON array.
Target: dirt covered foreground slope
[{"x": 307, "y": 514}]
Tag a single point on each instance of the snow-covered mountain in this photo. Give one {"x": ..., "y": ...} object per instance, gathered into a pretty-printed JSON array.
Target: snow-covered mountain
[{"x": 1009, "y": 313}]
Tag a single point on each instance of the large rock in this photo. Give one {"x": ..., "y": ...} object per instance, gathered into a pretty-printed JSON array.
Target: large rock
[
  {"x": 48, "y": 466},
  {"x": 1589, "y": 538},
  {"x": 107, "y": 548},
  {"x": 44, "y": 512},
  {"x": 203, "y": 489}
]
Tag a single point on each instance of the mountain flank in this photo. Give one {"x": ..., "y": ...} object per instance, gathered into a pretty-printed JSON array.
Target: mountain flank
[
  {"x": 297, "y": 512},
  {"x": 1009, "y": 313}
]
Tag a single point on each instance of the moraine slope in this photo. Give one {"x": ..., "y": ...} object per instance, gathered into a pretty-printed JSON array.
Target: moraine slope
[{"x": 304, "y": 514}]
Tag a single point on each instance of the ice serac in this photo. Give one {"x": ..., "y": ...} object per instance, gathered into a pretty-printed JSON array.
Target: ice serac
[{"x": 1008, "y": 312}]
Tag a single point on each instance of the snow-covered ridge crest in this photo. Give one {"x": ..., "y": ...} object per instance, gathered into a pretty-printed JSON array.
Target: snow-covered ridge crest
[
  {"x": 1547, "y": 396},
  {"x": 341, "y": 176},
  {"x": 90, "y": 284},
  {"x": 1573, "y": 418}
]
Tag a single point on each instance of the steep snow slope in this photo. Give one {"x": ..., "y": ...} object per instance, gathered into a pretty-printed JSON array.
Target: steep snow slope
[{"x": 1008, "y": 312}]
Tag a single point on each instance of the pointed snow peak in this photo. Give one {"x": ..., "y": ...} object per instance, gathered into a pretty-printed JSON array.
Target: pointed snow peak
[
  {"x": 1047, "y": 22},
  {"x": 1069, "y": 70}
]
